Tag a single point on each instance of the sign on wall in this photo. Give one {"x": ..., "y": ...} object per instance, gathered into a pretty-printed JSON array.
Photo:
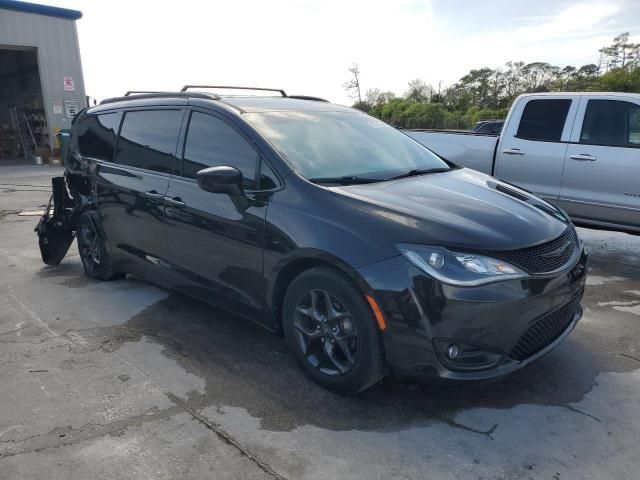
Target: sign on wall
[
  {"x": 71, "y": 108},
  {"x": 57, "y": 108},
  {"x": 69, "y": 85}
]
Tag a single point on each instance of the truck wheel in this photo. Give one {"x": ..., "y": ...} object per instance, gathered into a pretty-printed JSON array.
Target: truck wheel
[
  {"x": 95, "y": 257},
  {"x": 332, "y": 332}
]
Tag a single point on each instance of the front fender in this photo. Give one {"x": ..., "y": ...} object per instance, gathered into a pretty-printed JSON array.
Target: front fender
[{"x": 296, "y": 261}]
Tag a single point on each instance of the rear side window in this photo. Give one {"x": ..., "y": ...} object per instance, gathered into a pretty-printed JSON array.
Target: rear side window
[
  {"x": 612, "y": 123},
  {"x": 97, "y": 135},
  {"x": 212, "y": 142},
  {"x": 543, "y": 120},
  {"x": 148, "y": 139}
]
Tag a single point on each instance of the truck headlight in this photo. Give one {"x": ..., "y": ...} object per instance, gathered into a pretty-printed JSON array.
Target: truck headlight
[{"x": 458, "y": 268}]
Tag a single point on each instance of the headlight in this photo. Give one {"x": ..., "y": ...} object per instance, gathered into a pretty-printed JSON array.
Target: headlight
[{"x": 456, "y": 268}]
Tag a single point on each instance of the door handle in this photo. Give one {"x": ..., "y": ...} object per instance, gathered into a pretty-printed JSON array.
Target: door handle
[
  {"x": 513, "y": 151},
  {"x": 584, "y": 157},
  {"x": 175, "y": 201},
  {"x": 153, "y": 194}
]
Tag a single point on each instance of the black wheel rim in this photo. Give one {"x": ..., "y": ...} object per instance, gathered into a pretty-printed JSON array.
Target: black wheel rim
[
  {"x": 89, "y": 243},
  {"x": 326, "y": 333}
]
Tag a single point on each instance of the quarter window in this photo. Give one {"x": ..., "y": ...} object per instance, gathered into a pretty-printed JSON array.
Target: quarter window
[
  {"x": 612, "y": 123},
  {"x": 268, "y": 179},
  {"x": 97, "y": 135},
  {"x": 148, "y": 139},
  {"x": 543, "y": 120},
  {"x": 212, "y": 142}
]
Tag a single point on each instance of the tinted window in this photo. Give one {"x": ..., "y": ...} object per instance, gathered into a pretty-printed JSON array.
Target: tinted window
[
  {"x": 544, "y": 120},
  {"x": 148, "y": 139},
  {"x": 212, "y": 142},
  {"x": 484, "y": 128},
  {"x": 611, "y": 122},
  {"x": 490, "y": 128},
  {"x": 97, "y": 135}
]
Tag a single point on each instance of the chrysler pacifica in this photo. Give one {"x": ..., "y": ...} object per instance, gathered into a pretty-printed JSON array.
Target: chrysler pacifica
[{"x": 367, "y": 251}]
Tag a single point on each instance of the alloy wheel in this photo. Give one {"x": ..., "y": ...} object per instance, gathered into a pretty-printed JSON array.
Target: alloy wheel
[
  {"x": 89, "y": 243},
  {"x": 326, "y": 333}
]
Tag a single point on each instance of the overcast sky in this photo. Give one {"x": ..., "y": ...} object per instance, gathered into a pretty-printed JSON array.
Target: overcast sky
[{"x": 306, "y": 46}]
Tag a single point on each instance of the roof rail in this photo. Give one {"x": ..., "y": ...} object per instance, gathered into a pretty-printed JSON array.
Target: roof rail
[
  {"x": 309, "y": 97},
  {"x": 280, "y": 91},
  {"x": 138, "y": 92},
  {"x": 142, "y": 96}
]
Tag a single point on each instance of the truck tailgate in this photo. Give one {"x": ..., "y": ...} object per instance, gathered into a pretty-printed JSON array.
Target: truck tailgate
[{"x": 470, "y": 150}]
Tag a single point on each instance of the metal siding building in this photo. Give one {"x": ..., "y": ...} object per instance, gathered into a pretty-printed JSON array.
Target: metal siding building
[{"x": 51, "y": 36}]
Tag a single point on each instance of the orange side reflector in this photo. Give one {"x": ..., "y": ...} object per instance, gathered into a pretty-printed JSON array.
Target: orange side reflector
[{"x": 377, "y": 312}]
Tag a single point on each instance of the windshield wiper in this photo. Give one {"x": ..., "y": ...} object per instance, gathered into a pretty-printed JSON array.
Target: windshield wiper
[
  {"x": 346, "y": 180},
  {"x": 416, "y": 171}
]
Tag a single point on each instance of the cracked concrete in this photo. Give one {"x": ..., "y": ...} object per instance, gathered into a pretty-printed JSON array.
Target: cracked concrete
[{"x": 123, "y": 380}]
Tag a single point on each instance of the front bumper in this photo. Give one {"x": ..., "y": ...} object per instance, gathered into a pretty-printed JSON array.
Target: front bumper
[{"x": 510, "y": 323}]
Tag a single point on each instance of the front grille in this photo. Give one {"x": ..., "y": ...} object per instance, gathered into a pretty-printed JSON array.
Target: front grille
[
  {"x": 545, "y": 330},
  {"x": 543, "y": 258}
]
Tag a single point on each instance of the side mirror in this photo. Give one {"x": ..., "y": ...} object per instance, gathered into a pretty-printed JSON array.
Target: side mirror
[{"x": 221, "y": 179}]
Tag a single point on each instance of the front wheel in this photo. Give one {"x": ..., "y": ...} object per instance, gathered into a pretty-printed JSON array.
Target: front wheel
[
  {"x": 331, "y": 331},
  {"x": 95, "y": 257}
]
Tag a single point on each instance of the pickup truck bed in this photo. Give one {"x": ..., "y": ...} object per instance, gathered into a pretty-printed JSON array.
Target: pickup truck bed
[{"x": 473, "y": 150}]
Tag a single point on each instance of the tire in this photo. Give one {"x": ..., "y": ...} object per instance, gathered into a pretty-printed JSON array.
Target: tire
[
  {"x": 94, "y": 254},
  {"x": 322, "y": 340}
]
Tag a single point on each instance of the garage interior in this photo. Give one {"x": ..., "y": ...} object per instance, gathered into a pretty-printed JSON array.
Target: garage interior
[{"x": 23, "y": 122}]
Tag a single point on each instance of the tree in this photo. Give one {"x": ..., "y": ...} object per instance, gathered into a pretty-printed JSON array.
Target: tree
[
  {"x": 621, "y": 80},
  {"x": 585, "y": 78},
  {"x": 565, "y": 77},
  {"x": 537, "y": 76},
  {"x": 572, "y": 79},
  {"x": 488, "y": 93},
  {"x": 387, "y": 96},
  {"x": 477, "y": 84},
  {"x": 496, "y": 88},
  {"x": 621, "y": 53},
  {"x": 353, "y": 86},
  {"x": 374, "y": 96},
  {"x": 512, "y": 80},
  {"x": 456, "y": 98},
  {"x": 419, "y": 91}
]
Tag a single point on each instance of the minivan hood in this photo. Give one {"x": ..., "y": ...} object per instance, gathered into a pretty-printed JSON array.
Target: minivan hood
[{"x": 461, "y": 208}]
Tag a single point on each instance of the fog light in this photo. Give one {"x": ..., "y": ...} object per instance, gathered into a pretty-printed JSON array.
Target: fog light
[
  {"x": 464, "y": 355},
  {"x": 453, "y": 351}
]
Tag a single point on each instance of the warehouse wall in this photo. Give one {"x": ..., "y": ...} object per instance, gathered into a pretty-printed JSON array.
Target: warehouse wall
[{"x": 56, "y": 40}]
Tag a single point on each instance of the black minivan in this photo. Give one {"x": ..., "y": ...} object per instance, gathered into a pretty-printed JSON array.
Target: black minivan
[{"x": 367, "y": 251}]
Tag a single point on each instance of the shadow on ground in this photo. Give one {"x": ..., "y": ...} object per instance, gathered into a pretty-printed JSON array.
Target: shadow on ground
[{"x": 245, "y": 366}]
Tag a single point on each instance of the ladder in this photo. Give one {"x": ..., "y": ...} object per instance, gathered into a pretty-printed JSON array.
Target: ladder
[{"x": 25, "y": 134}]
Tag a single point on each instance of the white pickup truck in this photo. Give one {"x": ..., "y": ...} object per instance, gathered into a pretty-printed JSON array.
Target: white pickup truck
[{"x": 580, "y": 151}]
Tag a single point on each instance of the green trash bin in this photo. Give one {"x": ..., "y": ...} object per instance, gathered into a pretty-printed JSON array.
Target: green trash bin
[{"x": 64, "y": 138}]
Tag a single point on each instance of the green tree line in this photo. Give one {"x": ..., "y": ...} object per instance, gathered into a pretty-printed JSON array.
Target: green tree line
[{"x": 487, "y": 93}]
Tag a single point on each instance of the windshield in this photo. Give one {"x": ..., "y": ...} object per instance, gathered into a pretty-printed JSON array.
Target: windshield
[{"x": 338, "y": 144}]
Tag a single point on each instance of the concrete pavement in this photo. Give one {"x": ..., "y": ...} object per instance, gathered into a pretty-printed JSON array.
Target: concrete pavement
[{"x": 125, "y": 380}]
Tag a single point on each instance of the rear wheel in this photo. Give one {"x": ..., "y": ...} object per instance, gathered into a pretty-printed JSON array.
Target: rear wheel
[
  {"x": 332, "y": 332},
  {"x": 95, "y": 257}
]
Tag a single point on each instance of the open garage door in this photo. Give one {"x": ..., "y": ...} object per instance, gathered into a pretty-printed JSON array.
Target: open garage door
[{"x": 23, "y": 121}]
